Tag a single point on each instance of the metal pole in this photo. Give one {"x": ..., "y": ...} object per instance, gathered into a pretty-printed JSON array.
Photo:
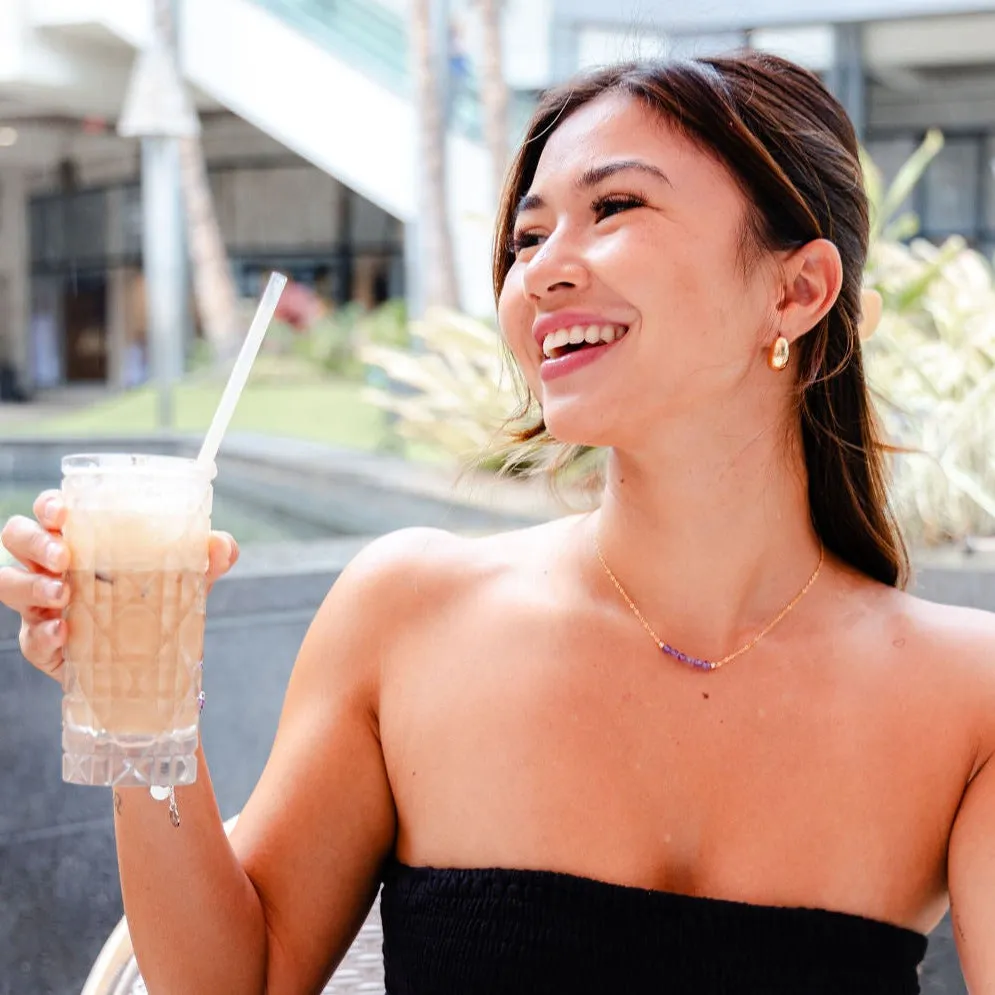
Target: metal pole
[{"x": 165, "y": 268}]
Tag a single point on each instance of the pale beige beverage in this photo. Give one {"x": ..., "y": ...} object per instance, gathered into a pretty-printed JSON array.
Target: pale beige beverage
[{"x": 138, "y": 529}]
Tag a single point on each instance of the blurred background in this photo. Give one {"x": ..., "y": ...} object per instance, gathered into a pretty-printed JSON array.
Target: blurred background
[{"x": 159, "y": 158}]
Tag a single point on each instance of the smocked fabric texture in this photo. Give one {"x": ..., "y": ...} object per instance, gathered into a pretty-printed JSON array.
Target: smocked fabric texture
[{"x": 509, "y": 932}]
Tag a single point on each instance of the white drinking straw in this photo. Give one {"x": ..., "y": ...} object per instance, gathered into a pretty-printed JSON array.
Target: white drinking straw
[{"x": 243, "y": 366}]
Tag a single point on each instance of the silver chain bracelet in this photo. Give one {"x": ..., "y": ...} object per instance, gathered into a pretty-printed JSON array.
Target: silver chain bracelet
[{"x": 160, "y": 794}]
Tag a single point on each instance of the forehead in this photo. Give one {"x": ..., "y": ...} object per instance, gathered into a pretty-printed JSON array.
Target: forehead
[{"x": 619, "y": 126}]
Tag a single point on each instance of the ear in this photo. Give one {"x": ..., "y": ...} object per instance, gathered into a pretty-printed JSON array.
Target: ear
[{"x": 812, "y": 277}]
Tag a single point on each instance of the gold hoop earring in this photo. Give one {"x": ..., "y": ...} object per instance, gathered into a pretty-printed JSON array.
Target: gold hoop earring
[{"x": 777, "y": 359}]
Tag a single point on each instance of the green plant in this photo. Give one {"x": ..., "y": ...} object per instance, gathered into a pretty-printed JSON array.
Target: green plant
[
  {"x": 449, "y": 390},
  {"x": 386, "y": 325},
  {"x": 931, "y": 366},
  {"x": 330, "y": 343}
]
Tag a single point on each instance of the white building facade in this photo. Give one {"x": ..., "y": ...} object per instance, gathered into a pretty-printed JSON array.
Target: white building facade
[
  {"x": 311, "y": 138},
  {"x": 309, "y": 134}
]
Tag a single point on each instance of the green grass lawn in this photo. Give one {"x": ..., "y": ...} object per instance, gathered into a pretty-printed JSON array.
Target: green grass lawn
[{"x": 327, "y": 411}]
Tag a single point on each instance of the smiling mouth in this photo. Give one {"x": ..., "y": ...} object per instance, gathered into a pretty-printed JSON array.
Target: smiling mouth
[{"x": 567, "y": 340}]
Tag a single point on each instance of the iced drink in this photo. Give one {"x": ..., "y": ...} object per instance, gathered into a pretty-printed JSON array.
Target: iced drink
[{"x": 138, "y": 529}]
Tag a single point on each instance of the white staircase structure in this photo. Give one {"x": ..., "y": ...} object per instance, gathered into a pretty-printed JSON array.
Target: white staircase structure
[{"x": 326, "y": 78}]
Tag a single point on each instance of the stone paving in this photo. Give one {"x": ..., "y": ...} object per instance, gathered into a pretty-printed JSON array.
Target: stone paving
[{"x": 362, "y": 969}]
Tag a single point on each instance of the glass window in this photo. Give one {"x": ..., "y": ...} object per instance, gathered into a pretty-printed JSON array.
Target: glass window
[
  {"x": 86, "y": 225},
  {"x": 950, "y": 188},
  {"x": 131, "y": 221},
  {"x": 46, "y": 230},
  {"x": 889, "y": 155},
  {"x": 988, "y": 168}
]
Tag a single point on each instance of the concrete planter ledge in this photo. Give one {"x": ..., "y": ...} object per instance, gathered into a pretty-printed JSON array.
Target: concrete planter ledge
[{"x": 343, "y": 490}]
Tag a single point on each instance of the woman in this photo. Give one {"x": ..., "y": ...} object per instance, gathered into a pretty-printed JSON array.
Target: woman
[{"x": 698, "y": 740}]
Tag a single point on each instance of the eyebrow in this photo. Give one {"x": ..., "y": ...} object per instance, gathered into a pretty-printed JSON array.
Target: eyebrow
[{"x": 595, "y": 175}]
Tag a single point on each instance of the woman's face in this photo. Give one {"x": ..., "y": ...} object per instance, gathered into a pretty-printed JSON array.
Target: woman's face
[{"x": 632, "y": 233}]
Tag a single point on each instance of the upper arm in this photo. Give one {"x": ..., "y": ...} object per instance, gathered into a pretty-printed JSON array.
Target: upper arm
[
  {"x": 971, "y": 870},
  {"x": 319, "y": 824}
]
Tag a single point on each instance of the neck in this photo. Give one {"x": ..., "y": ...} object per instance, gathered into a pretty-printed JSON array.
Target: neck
[{"x": 709, "y": 543}]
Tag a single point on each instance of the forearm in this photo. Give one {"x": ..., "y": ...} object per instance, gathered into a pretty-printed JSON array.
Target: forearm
[{"x": 195, "y": 920}]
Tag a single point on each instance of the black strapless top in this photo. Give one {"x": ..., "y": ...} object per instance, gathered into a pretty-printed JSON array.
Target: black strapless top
[{"x": 510, "y": 932}]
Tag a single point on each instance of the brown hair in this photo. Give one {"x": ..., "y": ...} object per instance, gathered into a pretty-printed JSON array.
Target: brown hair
[{"x": 792, "y": 148}]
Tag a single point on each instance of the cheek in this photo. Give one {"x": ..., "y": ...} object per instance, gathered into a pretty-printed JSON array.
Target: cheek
[
  {"x": 515, "y": 317},
  {"x": 686, "y": 281}
]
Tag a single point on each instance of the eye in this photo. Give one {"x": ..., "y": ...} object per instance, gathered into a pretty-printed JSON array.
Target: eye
[
  {"x": 524, "y": 240},
  {"x": 615, "y": 203}
]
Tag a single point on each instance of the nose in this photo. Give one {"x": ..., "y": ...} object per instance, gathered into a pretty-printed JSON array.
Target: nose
[{"x": 558, "y": 266}]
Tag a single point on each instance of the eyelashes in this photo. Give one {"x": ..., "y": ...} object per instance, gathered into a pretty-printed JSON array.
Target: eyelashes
[
  {"x": 615, "y": 203},
  {"x": 519, "y": 242},
  {"x": 602, "y": 208}
]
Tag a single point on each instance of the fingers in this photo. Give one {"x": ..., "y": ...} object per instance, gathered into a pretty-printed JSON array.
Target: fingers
[
  {"x": 222, "y": 555},
  {"x": 34, "y": 546},
  {"x": 42, "y": 644},
  {"x": 28, "y": 592},
  {"x": 38, "y": 593},
  {"x": 50, "y": 510}
]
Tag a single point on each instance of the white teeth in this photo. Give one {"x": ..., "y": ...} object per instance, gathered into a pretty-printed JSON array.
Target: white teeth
[
  {"x": 578, "y": 334},
  {"x": 555, "y": 340}
]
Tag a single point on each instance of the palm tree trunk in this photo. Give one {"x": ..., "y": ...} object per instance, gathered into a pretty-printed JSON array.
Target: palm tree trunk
[
  {"x": 213, "y": 285},
  {"x": 214, "y": 288},
  {"x": 494, "y": 93},
  {"x": 438, "y": 262}
]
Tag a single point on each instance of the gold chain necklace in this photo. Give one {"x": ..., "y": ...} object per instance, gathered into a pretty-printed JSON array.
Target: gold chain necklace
[{"x": 696, "y": 661}]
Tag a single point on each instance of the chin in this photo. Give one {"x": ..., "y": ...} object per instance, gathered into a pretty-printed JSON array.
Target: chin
[{"x": 578, "y": 424}]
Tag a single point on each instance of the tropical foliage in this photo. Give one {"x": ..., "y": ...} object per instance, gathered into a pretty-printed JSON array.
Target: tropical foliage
[
  {"x": 452, "y": 390},
  {"x": 932, "y": 366}
]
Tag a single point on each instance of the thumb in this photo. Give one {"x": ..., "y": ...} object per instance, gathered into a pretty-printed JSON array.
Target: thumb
[{"x": 222, "y": 555}]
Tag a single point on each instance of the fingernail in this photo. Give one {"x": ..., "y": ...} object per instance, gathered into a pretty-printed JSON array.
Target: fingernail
[
  {"x": 54, "y": 590},
  {"x": 51, "y": 629},
  {"x": 53, "y": 555},
  {"x": 51, "y": 507}
]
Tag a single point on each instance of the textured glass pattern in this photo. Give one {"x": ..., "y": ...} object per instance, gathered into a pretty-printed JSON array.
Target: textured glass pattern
[{"x": 135, "y": 624}]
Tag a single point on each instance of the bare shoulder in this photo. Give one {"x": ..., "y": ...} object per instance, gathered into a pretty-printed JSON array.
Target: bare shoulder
[
  {"x": 956, "y": 635},
  {"x": 953, "y": 647},
  {"x": 426, "y": 569}
]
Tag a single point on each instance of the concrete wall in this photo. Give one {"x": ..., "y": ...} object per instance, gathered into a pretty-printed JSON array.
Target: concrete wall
[
  {"x": 718, "y": 15},
  {"x": 956, "y": 104},
  {"x": 894, "y": 51},
  {"x": 103, "y": 158},
  {"x": 295, "y": 207},
  {"x": 289, "y": 206}
]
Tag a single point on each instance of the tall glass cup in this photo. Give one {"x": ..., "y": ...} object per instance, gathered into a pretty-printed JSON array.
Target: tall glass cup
[{"x": 138, "y": 529}]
